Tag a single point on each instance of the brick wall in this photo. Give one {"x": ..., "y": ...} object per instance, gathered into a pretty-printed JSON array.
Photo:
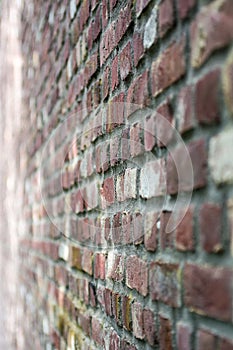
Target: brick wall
[{"x": 128, "y": 202}]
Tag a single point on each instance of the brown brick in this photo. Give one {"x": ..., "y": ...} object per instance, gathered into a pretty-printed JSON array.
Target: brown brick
[
  {"x": 207, "y": 89},
  {"x": 168, "y": 68},
  {"x": 164, "y": 283},
  {"x": 210, "y": 227},
  {"x": 137, "y": 274},
  {"x": 208, "y": 291}
]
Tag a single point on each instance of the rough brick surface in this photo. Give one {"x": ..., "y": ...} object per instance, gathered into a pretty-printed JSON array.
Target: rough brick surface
[{"x": 126, "y": 128}]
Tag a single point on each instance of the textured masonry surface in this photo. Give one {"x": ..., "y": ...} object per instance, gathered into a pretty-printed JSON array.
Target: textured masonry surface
[{"x": 109, "y": 275}]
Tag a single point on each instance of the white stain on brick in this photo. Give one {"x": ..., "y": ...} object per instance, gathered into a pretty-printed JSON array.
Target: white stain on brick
[
  {"x": 150, "y": 32},
  {"x": 220, "y": 163}
]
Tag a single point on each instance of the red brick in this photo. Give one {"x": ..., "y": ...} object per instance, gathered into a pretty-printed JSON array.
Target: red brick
[
  {"x": 168, "y": 67},
  {"x": 105, "y": 15},
  {"x": 112, "y": 4},
  {"x": 152, "y": 179},
  {"x": 115, "y": 266},
  {"x": 138, "y": 233},
  {"x": 97, "y": 330},
  {"x": 116, "y": 228},
  {"x": 164, "y": 283},
  {"x": 184, "y": 7},
  {"x": 166, "y": 238},
  {"x": 183, "y": 336},
  {"x": 85, "y": 323},
  {"x": 138, "y": 93},
  {"x": 184, "y": 239},
  {"x": 206, "y": 340},
  {"x": 125, "y": 345},
  {"x": 114, "y": 150},
  {"x": 185, "y": 109},
  {"x": 137, "y": 47},
  {"x": 149, "y": 132},
  {"x": 197, "y": 153},
  {"x": 99, "y": 266},
  {"x": 207, "y": 89},
  {"x": 164, "y": 118},
  {"x": 137, "y": 319},
  {"x": 150, "y": 231},
  {"x": 107, "y": 43},
  {"x": 123, "y": 21},
  {"x": 166, "y": 16},
  {"x": 106, "y": 75},
  {"x": 210, "y": 227},
  {"x": 115, "y": 341},
  {"x": 114, "y": 68},
  {"x": 108, "y": 301},
  {"x": 115, "y": 112},
  {"x": 108, "y": 192},
  {"x": 225, "y": 344},
  {"x": 141, "y": 5},
  {"x": 126, "y": 228},
  {"x": 125, "y": 61},
  {"x": 136, "y": 140},
  {"x": 165, "y": 334},
  {"x": 211, "y": 30},
  {"x": 149, "y": 327},
  {"x": 87, "y": 260},
  {"x": 208, "y": 291},
  {"x": 137, "y": 274},
  {"x": 125, "y": 152}
]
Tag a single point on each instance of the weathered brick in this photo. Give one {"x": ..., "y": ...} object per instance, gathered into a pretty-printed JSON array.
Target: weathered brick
[
  {"x": 108, "y": 192},
  {"x": 222, "y": 169},
  {"x": 227, "y": 82},
  {"x": 166, "y": 16},
  {"x": 166, "y": 236},
  {"x": 97, "y": 330},
  {"x": 141, "y": 5},
  {"x": 211, "y": 30},
  {"x": 165, "y": 334},
  {"x": 115, "y": 266},
  {"x": 210, "y": 227},
  {"x": 168, "y": 67},
  {"x": 138, "y": 93},
  {"x": 184, "y": 239},
  {"x": 164, "y": 124},
  {"x": 150, "y": 30},
  {"x": 137, "y": 274},
  {"x": 152, "y": 179},
  {"x": 207, "y": 89},
  {"x": 208, "y": 291},
  {"x": 114, "y": 69},
  {"x": 99, "y": 265},
  {"x": 87, "y": 260},
  {"x": 130, "y": 183},
  {"x": 150, "y": 231},
  {"x": 206, "y": 340},
  {"x": 164, "y": 283},
  {"x": 149, "y": 327},
  {"x": 125, "y": 61},
  {"x": 137, "y": 319},
  {"x": 183, "y": 336},
  {"x": 184, "y": 7},
  {"x": 136, "y": 142},
  {"x": 126, "y": 312},
  {"x": 137, "y": 47},
  {"x": 192, "y": 175},
  {"x": 185, "y": 109}
]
